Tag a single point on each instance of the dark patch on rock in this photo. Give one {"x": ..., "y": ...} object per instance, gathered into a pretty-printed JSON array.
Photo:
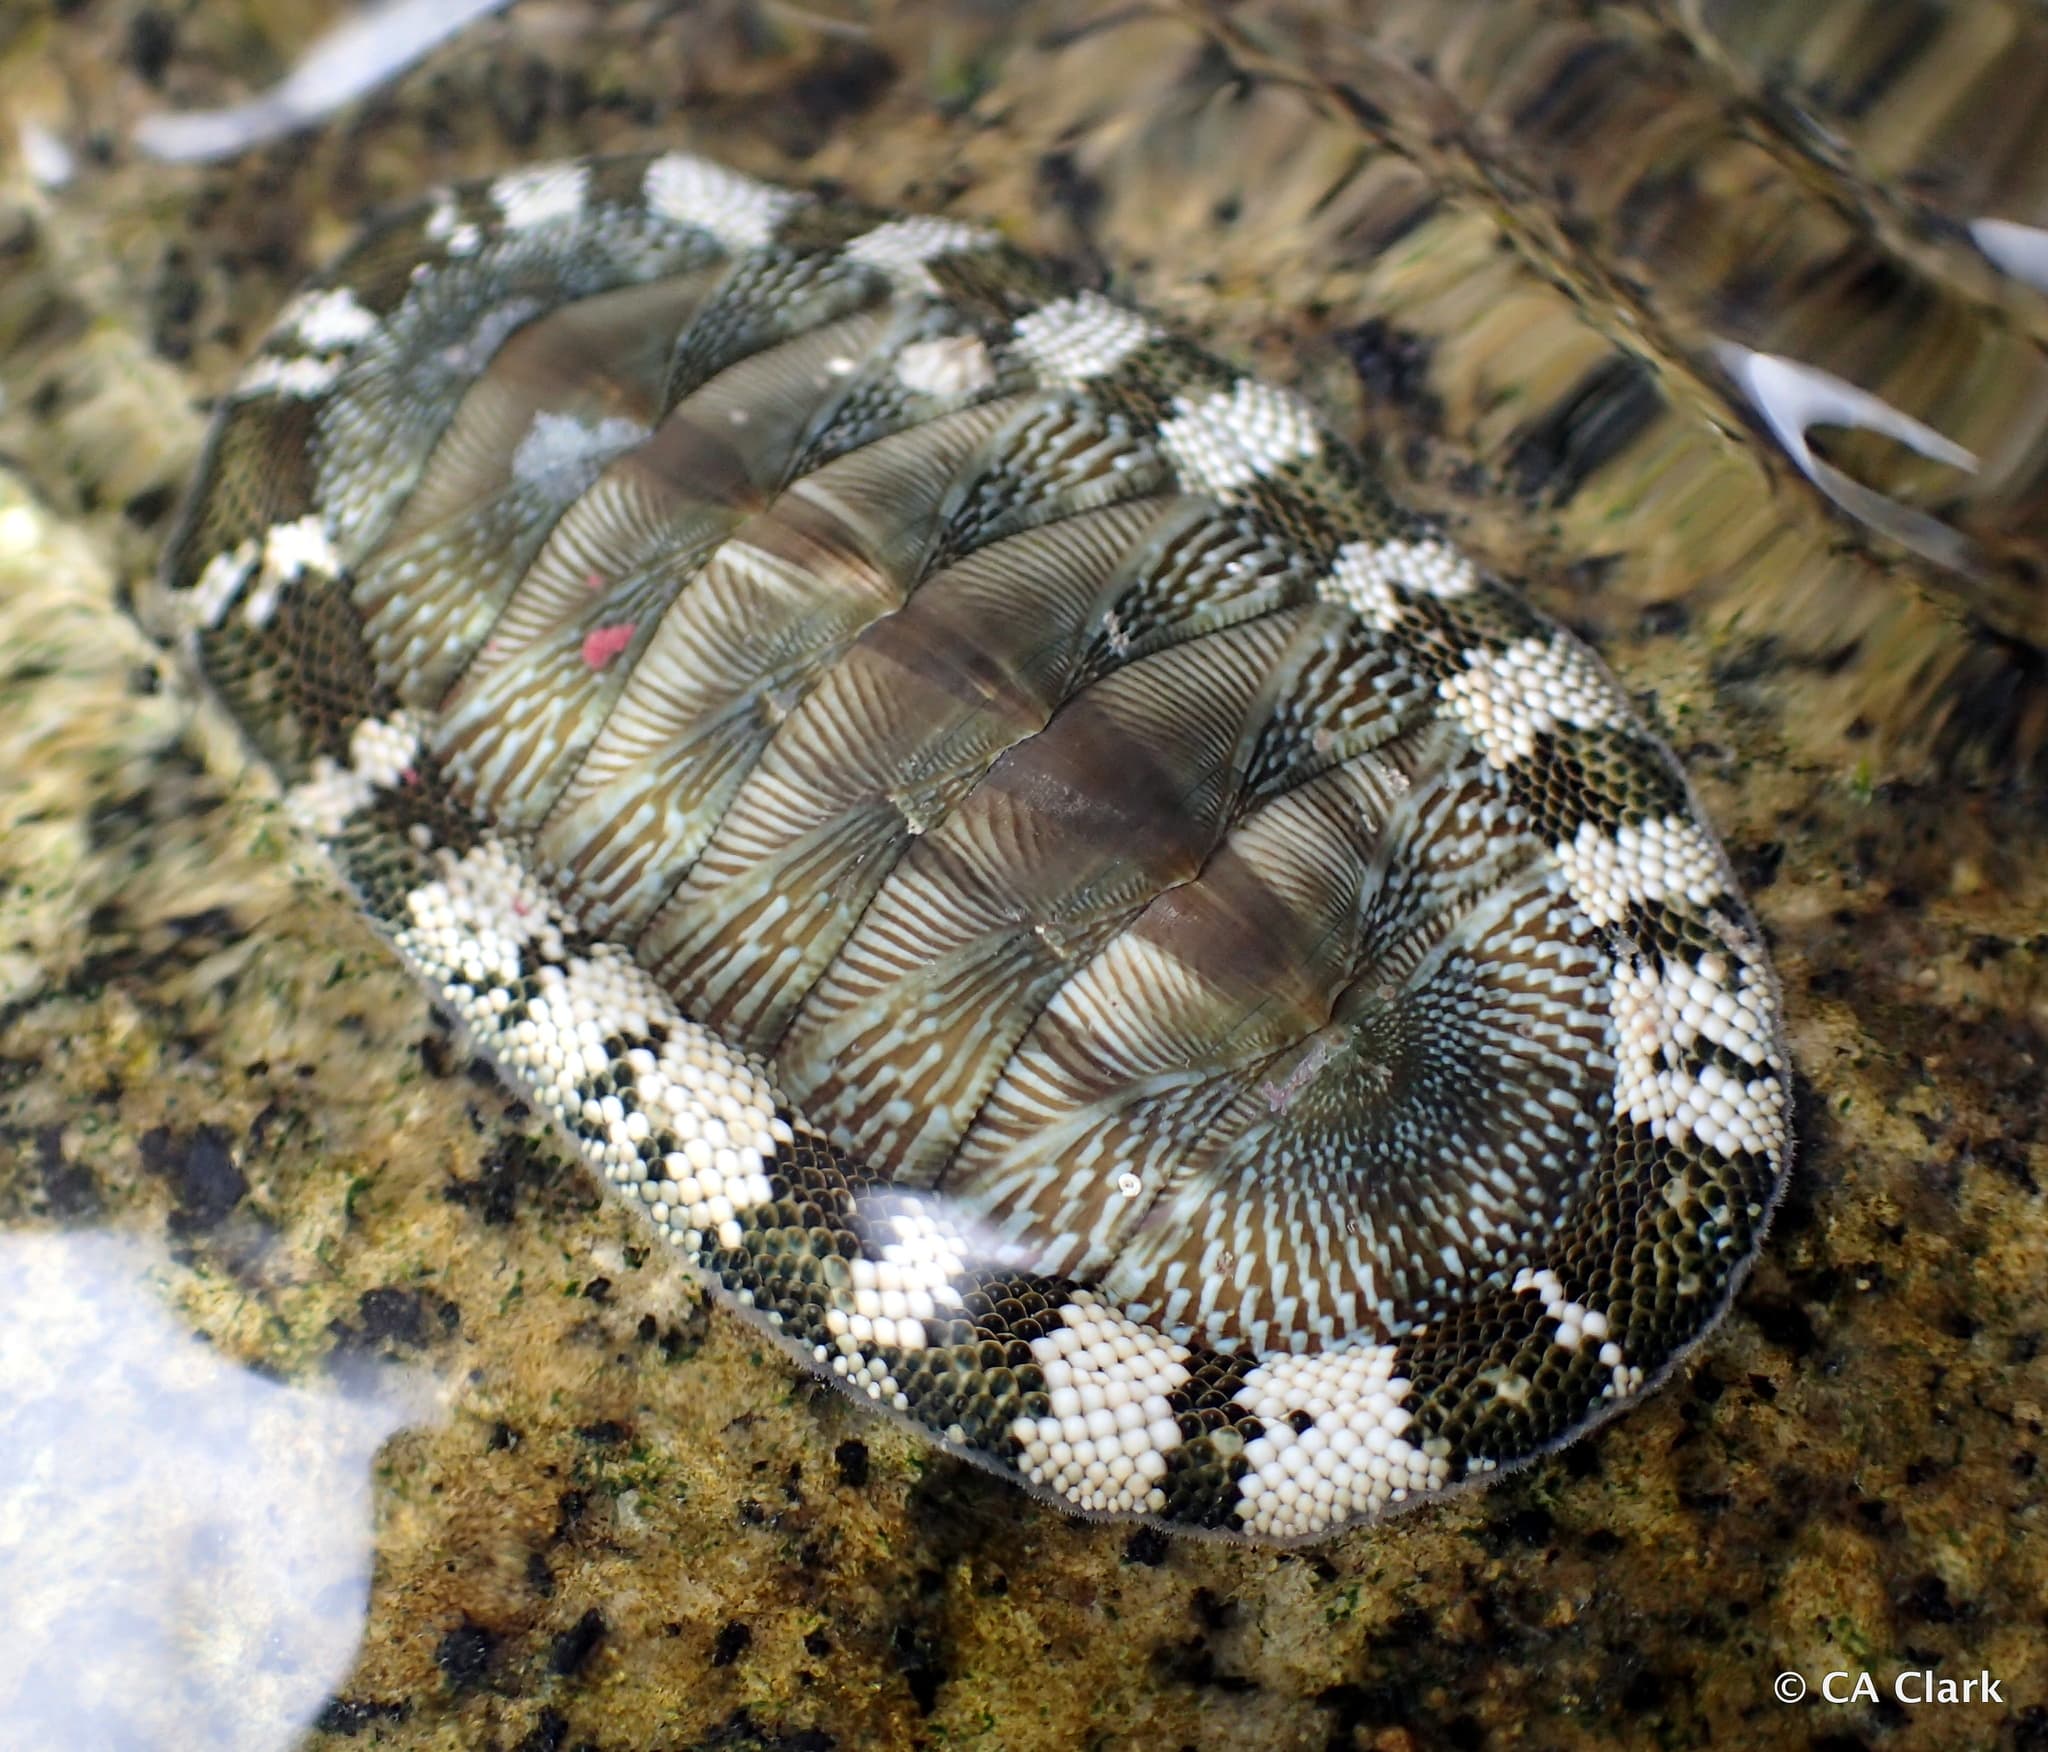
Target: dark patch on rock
[
  {"x": 683, "y": 1339},
  {"x": 918, "y": 1660},
  {"x": 1579, "y": 1458},
  {"x": 851, "y": 1459},
  {"x": 733, "y": 1640},
  {"x": 1393, "y": 367},
  {"x": 146, "y": 509},
  {"x": 69, "y": 1192},
  {"x": 1077, "y": 196},
  {"x": 152, "y": 41},
  {"x": 466, "y": 1654},
  {"x": 1925, "y": 1600},
  {"x": 1643, "y": 1694},
  {"x": 175, "y": 302},
  {"x": 1528, "y": 1526},
  {"x": 1210, "y": 1612},
  {"x": 1555, "y": 455},
  {"x": 1193, "y": 1663},
  {"x": 1993, "y": 712},
  {"x": 521, "y": 97},
  {"x": 392, "y": 1318},
  {"x": 437, "y": 1053},
  {"x": 392, "y": 1313},
  {"x": 1147, "y": 1546},
  {"x": 570, "y": 1652},
  {"x": 1664, "y": 620},
  {"x": 203, "y": 1177},
  {"x": 549, "y": 1733},
  {"x": 570, "y": 1508},
  {"x": 349, "y": 1716},
  {"x": 847, "y": 80},
  {"x": 740, "y": 1733},
  {"x": 1756, "y": 866},
  {"x": 518, "y": 1168}
]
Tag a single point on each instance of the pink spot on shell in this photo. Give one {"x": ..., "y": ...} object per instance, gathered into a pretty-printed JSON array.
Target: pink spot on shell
[
  {"x": 601, "y": 646},
  {"x": 593, "y": 580},
  {"x": 410, "y": 776}
]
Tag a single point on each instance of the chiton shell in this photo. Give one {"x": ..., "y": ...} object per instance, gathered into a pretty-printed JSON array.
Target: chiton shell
[{"x": 1112, "y": 939}]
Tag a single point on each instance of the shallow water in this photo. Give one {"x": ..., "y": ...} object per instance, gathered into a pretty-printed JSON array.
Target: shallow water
[{"x": 1529, "y": 255}]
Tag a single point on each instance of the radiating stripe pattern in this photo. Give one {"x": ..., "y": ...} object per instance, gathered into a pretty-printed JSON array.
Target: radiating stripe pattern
[{"x": 1104, "y": 934}]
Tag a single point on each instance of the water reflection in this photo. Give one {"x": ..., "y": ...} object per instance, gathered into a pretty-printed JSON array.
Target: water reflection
[
  {"x": 2021, "y": 250},
  {"x": 357, "y": 56},
  {"x": 184, "y": 1546},
  {"x": 1793, "y": 397}
]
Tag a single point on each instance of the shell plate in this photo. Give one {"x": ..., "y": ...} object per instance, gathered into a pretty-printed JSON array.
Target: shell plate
[{"x": 1110, "y": 938}]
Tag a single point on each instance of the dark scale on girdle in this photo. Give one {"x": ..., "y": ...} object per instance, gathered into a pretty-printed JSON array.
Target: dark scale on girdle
[{"x": 1111, "y": 939}]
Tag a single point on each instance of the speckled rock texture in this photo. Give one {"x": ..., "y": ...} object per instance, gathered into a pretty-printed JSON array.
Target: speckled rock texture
[{"x": 631, "y": 1527}]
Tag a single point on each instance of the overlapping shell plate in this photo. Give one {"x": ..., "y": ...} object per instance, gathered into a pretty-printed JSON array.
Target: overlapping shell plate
[{"x": 1107, "y": 936}]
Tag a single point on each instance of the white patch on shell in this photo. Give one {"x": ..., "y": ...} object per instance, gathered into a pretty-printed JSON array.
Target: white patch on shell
[
  {"x": 327, "y": 325},
  {"x": 902, "y": 247},
  {"x": 894, "y": 1294},
  {"x": 1668, "y": 861},
  {"x": 328, "y": 321},
  {"x": 1578, "y": 1324},
  {"x": 384, "y": 750},
  {"x": 291, "y": 551},
  {"x": 561, "y": 454},
  {"x": 740, "y": 212},
  {"x": 1659, "y": 1017},
  {"x": 692, "y": 1131},
  {"x": 1372, "y": 577},
  {"x": 1575, "y": 1321},
  {"x": 467, "y": 927},
  {"x": 301, "y": 378},
  {"x": 541, "y": 196},
  {"x": 927, "y": 1253},
  {"x": 380, "y": 753},
  {"x": 1235, "y": 436},
  {"x": 442, "y": 217},
  {"x": 1111, "y": 1427},
  {"x": 1353, "y": 1459},
  {"x": 951, "y": 365},
  {"x": 1507, "y": 699},
  {"x": 1074, "y": 340},
  {"x": 219, "y": 580},
  {"x": 1624, "y": 1377},
  {"x": 686, "y": 1130}
]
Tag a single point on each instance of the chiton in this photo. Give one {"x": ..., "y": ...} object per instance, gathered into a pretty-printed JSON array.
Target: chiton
[{"x": 1112, "y": 939}]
